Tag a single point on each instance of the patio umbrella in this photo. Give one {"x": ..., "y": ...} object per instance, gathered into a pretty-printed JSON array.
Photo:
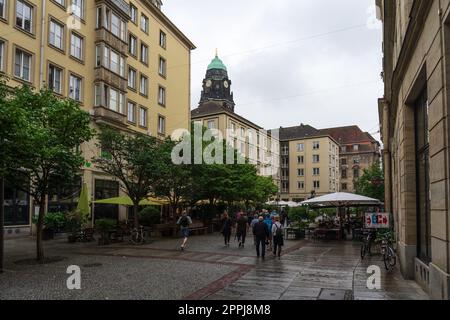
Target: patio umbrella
[
  {"x": 340, "y": 200},
  {"x": 83, "y": 202},
  {"x": 126, "y": 201}
]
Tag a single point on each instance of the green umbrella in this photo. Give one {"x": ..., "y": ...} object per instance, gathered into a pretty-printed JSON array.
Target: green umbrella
[
  {"x": 83, "y": 202},
  {"x": 126, "y": 201}
]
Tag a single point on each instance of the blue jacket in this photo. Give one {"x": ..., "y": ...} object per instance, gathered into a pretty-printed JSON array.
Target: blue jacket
[{"x": 268, "y": 222}]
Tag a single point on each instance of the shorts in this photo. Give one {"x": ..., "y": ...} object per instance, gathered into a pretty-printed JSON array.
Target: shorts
[{"x": 184, "y": 232}]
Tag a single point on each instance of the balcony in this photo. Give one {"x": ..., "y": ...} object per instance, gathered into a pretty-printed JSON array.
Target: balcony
[
  {"x": 104, "y": 115},
  {"x": 120, "y": 5},
  {"x": 111, "y": 40},
  {"x": 110, "y": 78}
]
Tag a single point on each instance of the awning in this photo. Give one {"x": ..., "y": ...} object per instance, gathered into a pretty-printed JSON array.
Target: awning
[
  {"x": 340, "y": 199},
  {"x": 126, "y": 201}
]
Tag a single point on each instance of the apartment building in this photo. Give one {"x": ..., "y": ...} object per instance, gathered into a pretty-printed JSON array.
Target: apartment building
[
  {"x": 309, "y": 163},
  {"x": 124, "y": 62},
  {"x": 415, "y": 121},
  {"x": 358, "y": 151},
  {"x": 216, "y": 111}
]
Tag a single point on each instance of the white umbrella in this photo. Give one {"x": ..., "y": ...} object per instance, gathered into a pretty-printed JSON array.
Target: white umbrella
[{"x": 341, "y": 199}]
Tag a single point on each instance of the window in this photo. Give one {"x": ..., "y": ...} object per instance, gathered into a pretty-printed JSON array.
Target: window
[
  {"x": 55, "y": 75},
  {"x": 56, "y": 37},
  {"x": 356, "y": 160},
  {"x": 300, "y": 159},
  {"x": 3, "y": 9},
  {"x": 344, "y": 161},
  {"x": 144, "y": 23},
  {"x": 143, "y": 117},
  {"x": 77, "y": 8},
  {"x": 132, "y": 78},
  {"x": 161, "y": 125},
  {"x": 211, "y": 124},
  {"x": 300, "y": 147},
  {"x": 301, "y": 185},
  {"x": 344, "y": 174},
  {"x": 144, "y": 53},
  {"x": 301, "y": 172},
  {"x": 162, "y": 96},
  {"x": 22, "y": 66},
  {"x": 131, "y": 112},
  {"x": 143, "y": 88},
  {"x": 133, "y": 13},
  {"x": 355, "y": 147},
  {"x": 316, "y": 171},
  {"x": 98, "y": 95},
  {"x": 316, "y": 145},
  {"x": 285, "y": 151},
  {"x": 2, "y": 55},
  {"x": 115, "y": 99},
  {"x": 132, "y": 45},
  {"x": 75, "y": 88},
  {"x": 162, "y": 39},
  {"x": 115, "y": 25},
  {"x": 344, "y": 187},
  {"x": 113, "y": 61},
  {"x": 162, "y": 67},
  {"x": 233, "y": 127},
  {"x": 316, "y": 158},
  {"x": 76, "y": 46},
  {"x": 356, "y": 173},
  {"x": 99, "y": 20},
  {"x": 24, "y": 16},
  {"x": 242, "y": 132},
  {"x": 316, "y": 184}
]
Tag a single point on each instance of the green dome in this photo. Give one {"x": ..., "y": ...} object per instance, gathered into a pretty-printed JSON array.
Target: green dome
[{"x": 217, "y": 64}]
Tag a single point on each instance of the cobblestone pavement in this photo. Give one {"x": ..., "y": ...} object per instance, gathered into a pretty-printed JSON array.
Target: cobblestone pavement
[{"x": 206, "y": 270}]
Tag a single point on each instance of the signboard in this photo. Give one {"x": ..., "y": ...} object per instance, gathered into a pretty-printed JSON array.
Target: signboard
[{"x": 377, "y": 220}]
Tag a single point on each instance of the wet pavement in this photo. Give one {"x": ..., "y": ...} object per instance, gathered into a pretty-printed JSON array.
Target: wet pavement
[{"x": 205, "y": 270}]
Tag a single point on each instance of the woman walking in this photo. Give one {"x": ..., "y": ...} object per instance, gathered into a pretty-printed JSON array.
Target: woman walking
[
  {"x": 278, "y": 241},
  {"x": 226, "y": 228}
]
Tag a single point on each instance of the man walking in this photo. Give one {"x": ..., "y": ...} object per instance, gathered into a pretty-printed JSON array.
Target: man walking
[
  {"x": 241, "y": 229},
  {"x": 278, "y": 241},
  {"x": 184, "y": 222},
  {"x": 254, "y": 222},
  {"x": 261, "y": 232}
]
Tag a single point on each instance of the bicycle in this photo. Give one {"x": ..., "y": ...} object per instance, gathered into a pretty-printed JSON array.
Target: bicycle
[
  {"x": 388, "y": 252},
  {"x": 139, "y": 235},
  {"x": 366, "y": 246}
]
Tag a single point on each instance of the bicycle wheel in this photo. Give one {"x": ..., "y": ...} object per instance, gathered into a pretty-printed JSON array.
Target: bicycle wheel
[
  {"x": 136, "y": 237},
  {"x": 390, "y": 259}
]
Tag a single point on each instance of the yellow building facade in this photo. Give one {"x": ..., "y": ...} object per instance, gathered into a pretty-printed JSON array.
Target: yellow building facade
[
  {"x": 125, "y": 63},
  {"x": 309, "y": 163}
]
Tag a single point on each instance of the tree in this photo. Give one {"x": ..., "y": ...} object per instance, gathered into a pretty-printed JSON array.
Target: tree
[
  {"x": 48, "y": 149},
  {"x": 176, "y": 179},
  {"x": 134, "y": 160},
  {"x": 371, "y": 183}
]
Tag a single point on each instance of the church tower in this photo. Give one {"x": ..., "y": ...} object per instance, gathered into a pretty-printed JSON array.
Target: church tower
[{"x": 217, "y": 85}]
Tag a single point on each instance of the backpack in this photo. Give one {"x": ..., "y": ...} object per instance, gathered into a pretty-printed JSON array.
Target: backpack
[
  {"x": 184, "y": 222},
  {"x": 278, "y": 232}
]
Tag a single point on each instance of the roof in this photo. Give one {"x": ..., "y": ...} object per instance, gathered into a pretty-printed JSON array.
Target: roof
[
  {"x": 300, "y": 132},
  {"x": 348, "y": 135},
  {"x": 216, "y": 63},
  {"x": 211, "y": 108}
]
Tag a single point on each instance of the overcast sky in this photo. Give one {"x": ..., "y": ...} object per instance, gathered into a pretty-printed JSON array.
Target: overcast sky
[{"x": 316, "y": 62}]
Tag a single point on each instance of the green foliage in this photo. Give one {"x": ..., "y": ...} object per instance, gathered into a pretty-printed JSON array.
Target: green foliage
[
  {"x": 371, "y": 183},
  {"x": 104, "y": 226},
  {"x": 382, "y": 233},
  {"x": 75, "y": 221},
  {"x": 54, "y": 220},
  {"x": 150, "y": 216},
  {"x": 298, "y": 214}
]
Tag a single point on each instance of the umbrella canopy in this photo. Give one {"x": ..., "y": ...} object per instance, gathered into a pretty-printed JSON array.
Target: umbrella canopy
[
  {"x": 126, "y": 201},
  {"x": 83, "y": 201},
  {"x": 341, "y": 199}
]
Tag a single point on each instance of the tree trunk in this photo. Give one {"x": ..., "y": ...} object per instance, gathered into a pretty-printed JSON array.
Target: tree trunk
[
  {"x": 40, "y": 227},
  {"x": 136, "y": 214},
  {"x": 2, "y": 222}
]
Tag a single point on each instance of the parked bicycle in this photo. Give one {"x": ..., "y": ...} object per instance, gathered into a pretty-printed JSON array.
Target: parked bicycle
[
  {"x": 366, "y": 246},
  {"x": 139, "y": 235},
  {"x": 388, "y": 252}
]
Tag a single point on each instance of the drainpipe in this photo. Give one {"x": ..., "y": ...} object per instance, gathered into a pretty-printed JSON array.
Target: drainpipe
[{"x": 43, "y": 24}]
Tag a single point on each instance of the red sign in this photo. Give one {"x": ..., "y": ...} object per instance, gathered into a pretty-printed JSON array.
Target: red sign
[{"x": 377, "y": 220}]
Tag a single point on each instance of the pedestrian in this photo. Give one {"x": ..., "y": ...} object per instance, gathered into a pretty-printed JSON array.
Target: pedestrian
[
  {"x": 254, "y": 221},
  {"x": 268, "y": 222},
  {"x": 226, "y": 228},
  {"x": 241, "y": 229},
  {"x": 184, "y": 222},
  {"x": 261, "y": 232},
  {"x": 278, "y": 240}
]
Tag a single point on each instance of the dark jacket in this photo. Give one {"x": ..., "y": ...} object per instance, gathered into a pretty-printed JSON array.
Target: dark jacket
[
  {"x": 261, "y": 230},
  {"x": 226, "y": 225},
  {"x": 242, "y": 224}
]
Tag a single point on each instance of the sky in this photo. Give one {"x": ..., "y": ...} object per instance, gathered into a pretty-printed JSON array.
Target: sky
[{"x": 315, "y": 62}]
